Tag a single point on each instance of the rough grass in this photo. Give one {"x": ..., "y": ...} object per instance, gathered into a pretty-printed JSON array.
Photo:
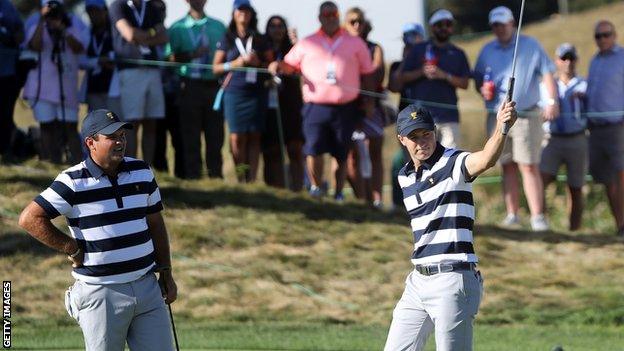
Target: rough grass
[
  {"x": 250, "y": 253},
  {"x": 257, "y": 255}
]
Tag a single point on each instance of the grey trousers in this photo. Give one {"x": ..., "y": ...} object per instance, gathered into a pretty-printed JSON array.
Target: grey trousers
[
  {"x": 445, "y": 302},
  {"x": 111, "y": 314}
]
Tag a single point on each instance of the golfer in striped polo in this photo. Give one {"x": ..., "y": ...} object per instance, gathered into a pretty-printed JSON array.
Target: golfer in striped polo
[
  {"x": 444, "y": 290},
  {"x": 112, "y": 205}
]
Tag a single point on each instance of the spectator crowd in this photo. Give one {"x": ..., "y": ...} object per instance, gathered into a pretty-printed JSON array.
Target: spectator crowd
[{"x": 282, "y": 96}]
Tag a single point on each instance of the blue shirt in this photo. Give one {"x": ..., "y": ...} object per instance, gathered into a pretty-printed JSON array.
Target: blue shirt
[
  {"x": 532, "y": 63},
  {"x": 451, "y": 59},
  {"x": 238, "y": 81},
  {"x": 10, "y": 23},
  {"x": 120, "y": 9},
  {"x": 605, "y": 88},
  {"x": 572, "y": 117}
]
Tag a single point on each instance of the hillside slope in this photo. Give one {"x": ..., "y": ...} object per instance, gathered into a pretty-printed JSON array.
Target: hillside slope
[{"x": 257, "y": 254}]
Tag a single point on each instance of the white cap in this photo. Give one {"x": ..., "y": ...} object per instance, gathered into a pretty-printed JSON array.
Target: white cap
[
  {"x": 440, "y": 15},
  {"x": 501, "y": 14}
]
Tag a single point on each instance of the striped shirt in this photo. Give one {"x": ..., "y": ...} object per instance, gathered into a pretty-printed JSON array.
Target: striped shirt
[
  {"x": 438, "y": 198},
  {"x": 107, "y": 217}
]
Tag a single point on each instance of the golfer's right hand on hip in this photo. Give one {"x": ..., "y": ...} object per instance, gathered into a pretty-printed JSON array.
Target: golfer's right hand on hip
[{"x": 507, "y": 114}]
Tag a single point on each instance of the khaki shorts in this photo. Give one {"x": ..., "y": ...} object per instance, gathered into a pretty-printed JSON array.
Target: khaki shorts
[
  {"x": 448, "y": 134},
  {"x": 524, "y": 144},
  {"x": 141, "y": 94},
  {"x": 569, "y": 151},
  {"x": 606, "y": 152}
]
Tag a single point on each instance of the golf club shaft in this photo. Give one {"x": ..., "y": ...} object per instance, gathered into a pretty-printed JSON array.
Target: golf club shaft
[
  {"x": 175, "y": 334},
  {"x": 512, "y": 79}
]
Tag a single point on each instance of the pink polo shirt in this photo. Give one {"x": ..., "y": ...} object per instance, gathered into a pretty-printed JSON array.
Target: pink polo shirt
[{"x": 316, "y": 54}]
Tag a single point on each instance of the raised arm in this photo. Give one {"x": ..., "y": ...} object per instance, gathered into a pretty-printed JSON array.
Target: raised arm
[{"x": 478, "y": 162}]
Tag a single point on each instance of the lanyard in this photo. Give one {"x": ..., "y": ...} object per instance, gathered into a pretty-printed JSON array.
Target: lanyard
[
  {"x": 196, "y": 40},
  {"x": 244, "y": 51},
  {"x": 139, "y": 17},
  {"x": 334, "y": 46},
  {"x": 97, "y": 48}
]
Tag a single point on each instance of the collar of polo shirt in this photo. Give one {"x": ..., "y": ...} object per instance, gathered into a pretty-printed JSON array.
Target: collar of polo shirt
[{"x": 96, "y": 171}]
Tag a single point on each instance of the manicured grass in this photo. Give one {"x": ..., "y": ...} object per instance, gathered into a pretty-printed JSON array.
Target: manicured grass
[{"x": 335, "y": 337}]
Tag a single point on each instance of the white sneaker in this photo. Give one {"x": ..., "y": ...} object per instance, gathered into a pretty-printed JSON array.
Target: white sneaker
[
  {"x": 316, "y": 192},
  {"x": 378, "y": 204},
  {"x": 510, "y": 220},
  {"x": 539, "y": 223}
]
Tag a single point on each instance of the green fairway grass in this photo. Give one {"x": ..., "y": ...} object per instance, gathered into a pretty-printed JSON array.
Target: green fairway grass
[
  {"x": 265, "y": 269},
  {"x": 323, "y": 337}
]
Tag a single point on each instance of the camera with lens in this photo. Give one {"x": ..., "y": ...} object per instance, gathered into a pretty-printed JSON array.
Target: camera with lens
[{"x": 57, "y": 12}]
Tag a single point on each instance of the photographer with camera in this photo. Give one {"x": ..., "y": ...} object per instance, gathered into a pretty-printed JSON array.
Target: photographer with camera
[
  {"x": 11, "y": 34},
  {"x": 52, "y": 86}
]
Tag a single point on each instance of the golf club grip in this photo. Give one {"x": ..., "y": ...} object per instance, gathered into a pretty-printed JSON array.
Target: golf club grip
[{"x": 510, "y": 89}]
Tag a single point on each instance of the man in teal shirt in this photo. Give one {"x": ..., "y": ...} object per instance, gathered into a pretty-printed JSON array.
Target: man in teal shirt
[{"x": 193, "y": 39}]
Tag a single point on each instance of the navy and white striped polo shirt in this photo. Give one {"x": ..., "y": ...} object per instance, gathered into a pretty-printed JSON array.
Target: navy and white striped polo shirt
[
  {"x": 107, "y": 216},
  {"x": 438, "y": 198}
]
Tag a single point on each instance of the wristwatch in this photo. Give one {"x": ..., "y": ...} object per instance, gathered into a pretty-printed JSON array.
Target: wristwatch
[
  {"x": 151, "y": 32},
  {"x": 75, "y": 254}
]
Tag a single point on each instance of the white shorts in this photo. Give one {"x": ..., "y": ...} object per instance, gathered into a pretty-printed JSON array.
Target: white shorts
[
  {"x": 141, "y": 94},
  {"x": 46, "y": 112}
]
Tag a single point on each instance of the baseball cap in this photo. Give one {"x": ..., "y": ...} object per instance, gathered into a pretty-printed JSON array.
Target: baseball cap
[
  {"x": 413, "y": 28},
  {"x": 440, "y": 15},
  {"x": 241, "y": 3},
  {"x": 414, "y": 117},
  {"x": 410, "y": 31},
  {"x": 102, "y": 122},
  {"x": 500, "y": 14},
  {"x": 45, "y": 2},
  {"x": 95, "y": 3},
  {"x": 565, "y": 49}
]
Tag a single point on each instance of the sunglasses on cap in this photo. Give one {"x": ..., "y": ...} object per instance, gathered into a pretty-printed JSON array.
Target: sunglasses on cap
[
  {"x": 599, "y": 36},
  {"x": 329, "y": 14}
]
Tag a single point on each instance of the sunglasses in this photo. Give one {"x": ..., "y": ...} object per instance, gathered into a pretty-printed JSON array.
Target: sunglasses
[
  {"x": 442, "y": 24},
  {"x": 599, "y": 36},
  {"x": 568, "y": 57},
  {"x": 329, "y": 14},
  {"x": 353, "y": 22}
]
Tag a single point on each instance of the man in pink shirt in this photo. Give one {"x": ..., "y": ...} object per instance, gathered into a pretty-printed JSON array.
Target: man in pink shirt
[{"x": 332, "y": 63}]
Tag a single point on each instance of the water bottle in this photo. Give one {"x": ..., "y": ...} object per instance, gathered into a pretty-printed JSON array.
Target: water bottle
[
  {"x": 488, "y": 84},
  {"x": 430, "y": 57}
]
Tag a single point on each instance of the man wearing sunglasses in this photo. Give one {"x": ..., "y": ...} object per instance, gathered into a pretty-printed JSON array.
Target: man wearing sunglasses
[
  {"x": 566, "y": 142},
  {"x": 605, "y": 98},
  {"x": 332, "y": 63},
  {"x": 522, "y": 152},
  {"x": 433, "y": 71}
]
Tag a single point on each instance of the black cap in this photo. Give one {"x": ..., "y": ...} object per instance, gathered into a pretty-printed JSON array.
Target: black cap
[
  {"x": 414, "y": 117},
  {"x": 102, "y": 122}
]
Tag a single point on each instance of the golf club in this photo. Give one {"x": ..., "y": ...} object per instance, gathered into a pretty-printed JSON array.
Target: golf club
[
  {"x": 164, "y": 287},
  {"x": 512, "y": 79}
]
